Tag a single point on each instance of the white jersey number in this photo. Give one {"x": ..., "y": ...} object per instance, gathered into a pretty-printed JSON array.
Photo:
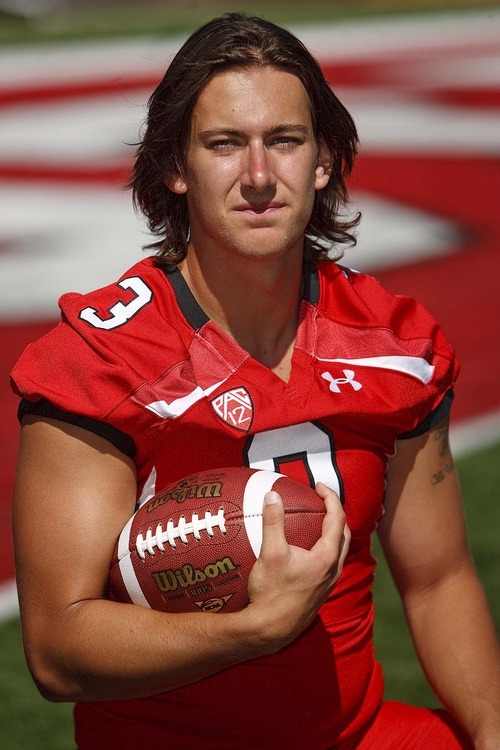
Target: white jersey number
[
  {"x": 309, "y": 443},
  {"x": 121, "y": 312}
]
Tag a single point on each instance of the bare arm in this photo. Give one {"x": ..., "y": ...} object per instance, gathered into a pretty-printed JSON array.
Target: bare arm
[
  {"x": 424, "y": 538},
  {"x": 74, "y": 492}
]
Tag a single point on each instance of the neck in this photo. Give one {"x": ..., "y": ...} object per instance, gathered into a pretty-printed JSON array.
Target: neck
[{"x": 258, "y": 307}]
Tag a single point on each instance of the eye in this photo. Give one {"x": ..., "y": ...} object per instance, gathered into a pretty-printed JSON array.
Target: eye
[
  {"x": 221, "y": 145},
  {"x": 286, "y": 141}
]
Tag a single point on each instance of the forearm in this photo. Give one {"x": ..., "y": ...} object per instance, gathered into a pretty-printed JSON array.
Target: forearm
[
  {"x": 74, "y": 493},
  {"x": 102, "y": 650},
  {"x": 458, "y": 648}
]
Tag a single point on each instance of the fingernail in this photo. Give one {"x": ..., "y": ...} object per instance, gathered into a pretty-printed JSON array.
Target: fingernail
[{"x": 271, "y": 498}]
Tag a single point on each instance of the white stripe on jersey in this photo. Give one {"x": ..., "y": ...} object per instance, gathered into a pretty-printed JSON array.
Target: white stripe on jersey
[
  {"x": 417, "y": 367},
  {"x": 180, "y": 405}
]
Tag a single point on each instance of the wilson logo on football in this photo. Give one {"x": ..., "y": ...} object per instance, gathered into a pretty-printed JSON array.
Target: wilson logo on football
[
  {"x": 235, "y": 407},
  {"x": 187, "y": 575}
]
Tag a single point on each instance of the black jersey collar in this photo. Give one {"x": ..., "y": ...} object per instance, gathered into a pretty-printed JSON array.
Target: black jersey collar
[{"x": 197, "y": 318}]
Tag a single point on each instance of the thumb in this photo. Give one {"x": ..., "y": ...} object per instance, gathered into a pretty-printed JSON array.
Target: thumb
[{"x": 273, "y": 523}]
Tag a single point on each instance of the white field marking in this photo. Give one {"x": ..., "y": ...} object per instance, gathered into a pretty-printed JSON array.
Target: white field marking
[
  {"x": 9, "y": 606},
  {"x": 64, "y": 63},
  {"x": 392, "y": 35},
  {"x": 87, "y": 131},
  {"x": 72, "y": 238},
  {"x": 392, "y": 233},
  {"x": 417, "y": 127},
  {"x": 360, "y": 39},
  {"x": 471, "y": 435}
]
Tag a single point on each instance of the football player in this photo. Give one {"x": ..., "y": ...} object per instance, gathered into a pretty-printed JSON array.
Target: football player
[{"x": 242, "y": 341}]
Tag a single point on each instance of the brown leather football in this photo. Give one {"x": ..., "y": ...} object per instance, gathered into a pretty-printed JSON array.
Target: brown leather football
[{"x": 192, "y": 547}]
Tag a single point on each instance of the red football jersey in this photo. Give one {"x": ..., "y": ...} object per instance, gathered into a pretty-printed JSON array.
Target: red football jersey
[{"x": 140, "y": 363}]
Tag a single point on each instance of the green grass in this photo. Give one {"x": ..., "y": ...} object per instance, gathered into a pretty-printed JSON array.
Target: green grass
[
  {"x": 92, "y": 20},
  {"x": 480, "y": 478},
  {"x": 27, "y": 722}
]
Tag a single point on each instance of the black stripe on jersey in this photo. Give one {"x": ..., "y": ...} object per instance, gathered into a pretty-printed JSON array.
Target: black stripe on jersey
[
  {"x": 432, "y": 419},
  {"x": 43, "y": 408},
  {"x": 190, "y": 308},
  {"x": 311, "y": 283},
  {"x": 197, "y": 318}
]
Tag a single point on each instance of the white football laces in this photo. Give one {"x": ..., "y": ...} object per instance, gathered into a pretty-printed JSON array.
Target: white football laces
[{"x": 195, "y": 526}]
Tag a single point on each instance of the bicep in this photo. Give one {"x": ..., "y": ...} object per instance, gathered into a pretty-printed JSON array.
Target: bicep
[
  {"x": 423, "y": 530},
  {"x": 73, "y": 494}
]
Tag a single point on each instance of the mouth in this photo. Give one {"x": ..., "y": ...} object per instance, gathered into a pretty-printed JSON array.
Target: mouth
[{"x": 259, "y": 208}]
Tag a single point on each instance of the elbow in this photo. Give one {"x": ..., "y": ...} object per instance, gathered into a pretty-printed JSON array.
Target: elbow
[
  {"x": 51, "y": 686},
  {"x": 53, "y": 681},
  {"x": 54, "y": 693}
]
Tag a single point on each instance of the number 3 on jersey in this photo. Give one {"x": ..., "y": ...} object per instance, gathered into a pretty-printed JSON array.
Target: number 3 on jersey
[{"x": 120, "y": 313}]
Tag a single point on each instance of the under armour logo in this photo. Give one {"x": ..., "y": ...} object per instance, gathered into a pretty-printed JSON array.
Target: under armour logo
[{"x": 336, "y": 382}]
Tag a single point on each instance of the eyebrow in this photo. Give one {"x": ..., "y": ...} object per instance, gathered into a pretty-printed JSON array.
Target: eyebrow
[{"x": 282, "y": 128}]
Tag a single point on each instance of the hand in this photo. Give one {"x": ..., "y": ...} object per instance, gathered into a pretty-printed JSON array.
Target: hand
[{"x": 289, "y": 584}]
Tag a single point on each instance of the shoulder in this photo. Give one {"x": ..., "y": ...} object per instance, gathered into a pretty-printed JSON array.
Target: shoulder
[
  {"x": 142, "y": 287},
  {"x": 108, "y": 343},
  {"x": 392, "y": 335},
  {"x": 141, "y": 304},
  {"x": 359, "y": 299}
]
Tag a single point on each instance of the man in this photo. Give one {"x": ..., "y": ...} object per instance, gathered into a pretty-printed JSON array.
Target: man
[{"x": 241, "y": 175}]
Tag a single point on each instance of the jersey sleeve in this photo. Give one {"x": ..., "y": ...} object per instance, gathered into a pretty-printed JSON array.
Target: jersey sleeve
[
  {"x": 106, "y": 346},
  {"x": 414, "y": 326},
  {"x": 44, "y": 408},
  {"x": 397, "y": 333},
  {"x": 441, "y": 411}
]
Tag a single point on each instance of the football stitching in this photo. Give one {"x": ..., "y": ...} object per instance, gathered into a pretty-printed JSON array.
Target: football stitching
[{"x": 208, "y": 523}]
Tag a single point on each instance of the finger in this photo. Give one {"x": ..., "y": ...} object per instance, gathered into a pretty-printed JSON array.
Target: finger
[
  {"x": 335, "y": 533},
  {"x": 335, "y": 514},
  {"x": 344, "y": 545},
  {"x": 330, "y": 497},
  {"x": 273, "y": 524}
]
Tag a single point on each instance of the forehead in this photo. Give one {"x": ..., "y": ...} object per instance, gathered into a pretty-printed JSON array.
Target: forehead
[{"x": 252, "y": 97}]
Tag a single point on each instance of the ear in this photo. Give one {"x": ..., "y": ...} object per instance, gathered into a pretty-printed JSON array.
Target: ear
[
  {"x": 324, "y": 166},
  {"x": 176, "y": 183}
]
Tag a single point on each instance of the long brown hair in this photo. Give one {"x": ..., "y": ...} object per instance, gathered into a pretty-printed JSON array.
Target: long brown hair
[{"x": 231, "y": 41}]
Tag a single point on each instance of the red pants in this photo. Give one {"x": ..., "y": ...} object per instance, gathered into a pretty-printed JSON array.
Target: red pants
[{"x": 398, "y": 726}]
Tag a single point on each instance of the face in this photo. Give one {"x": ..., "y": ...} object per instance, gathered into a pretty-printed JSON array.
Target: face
[{"x": 252, "y": 165}]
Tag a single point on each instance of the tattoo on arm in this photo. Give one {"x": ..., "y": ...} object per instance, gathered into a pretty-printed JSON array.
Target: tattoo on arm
[{"x": 442, "y": 437}]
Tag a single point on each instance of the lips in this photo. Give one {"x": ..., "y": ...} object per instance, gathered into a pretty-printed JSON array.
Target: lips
[{"x": 259, "y": 208}]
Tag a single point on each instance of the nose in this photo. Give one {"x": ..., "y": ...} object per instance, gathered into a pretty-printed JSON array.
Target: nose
[{"x": 258, "y": 172}]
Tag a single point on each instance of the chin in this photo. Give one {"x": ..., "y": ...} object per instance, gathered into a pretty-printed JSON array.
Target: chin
[{"x": 268, "y": 245}]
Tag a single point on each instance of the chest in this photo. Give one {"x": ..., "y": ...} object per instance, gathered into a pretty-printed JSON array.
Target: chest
[{"x": 301, "y": 428}]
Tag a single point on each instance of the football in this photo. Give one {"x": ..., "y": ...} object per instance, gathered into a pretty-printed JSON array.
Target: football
[{"x": 193, "y": 545}]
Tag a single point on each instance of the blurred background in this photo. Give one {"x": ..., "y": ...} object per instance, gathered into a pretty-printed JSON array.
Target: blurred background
[{"x": 422, "y": 80}]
